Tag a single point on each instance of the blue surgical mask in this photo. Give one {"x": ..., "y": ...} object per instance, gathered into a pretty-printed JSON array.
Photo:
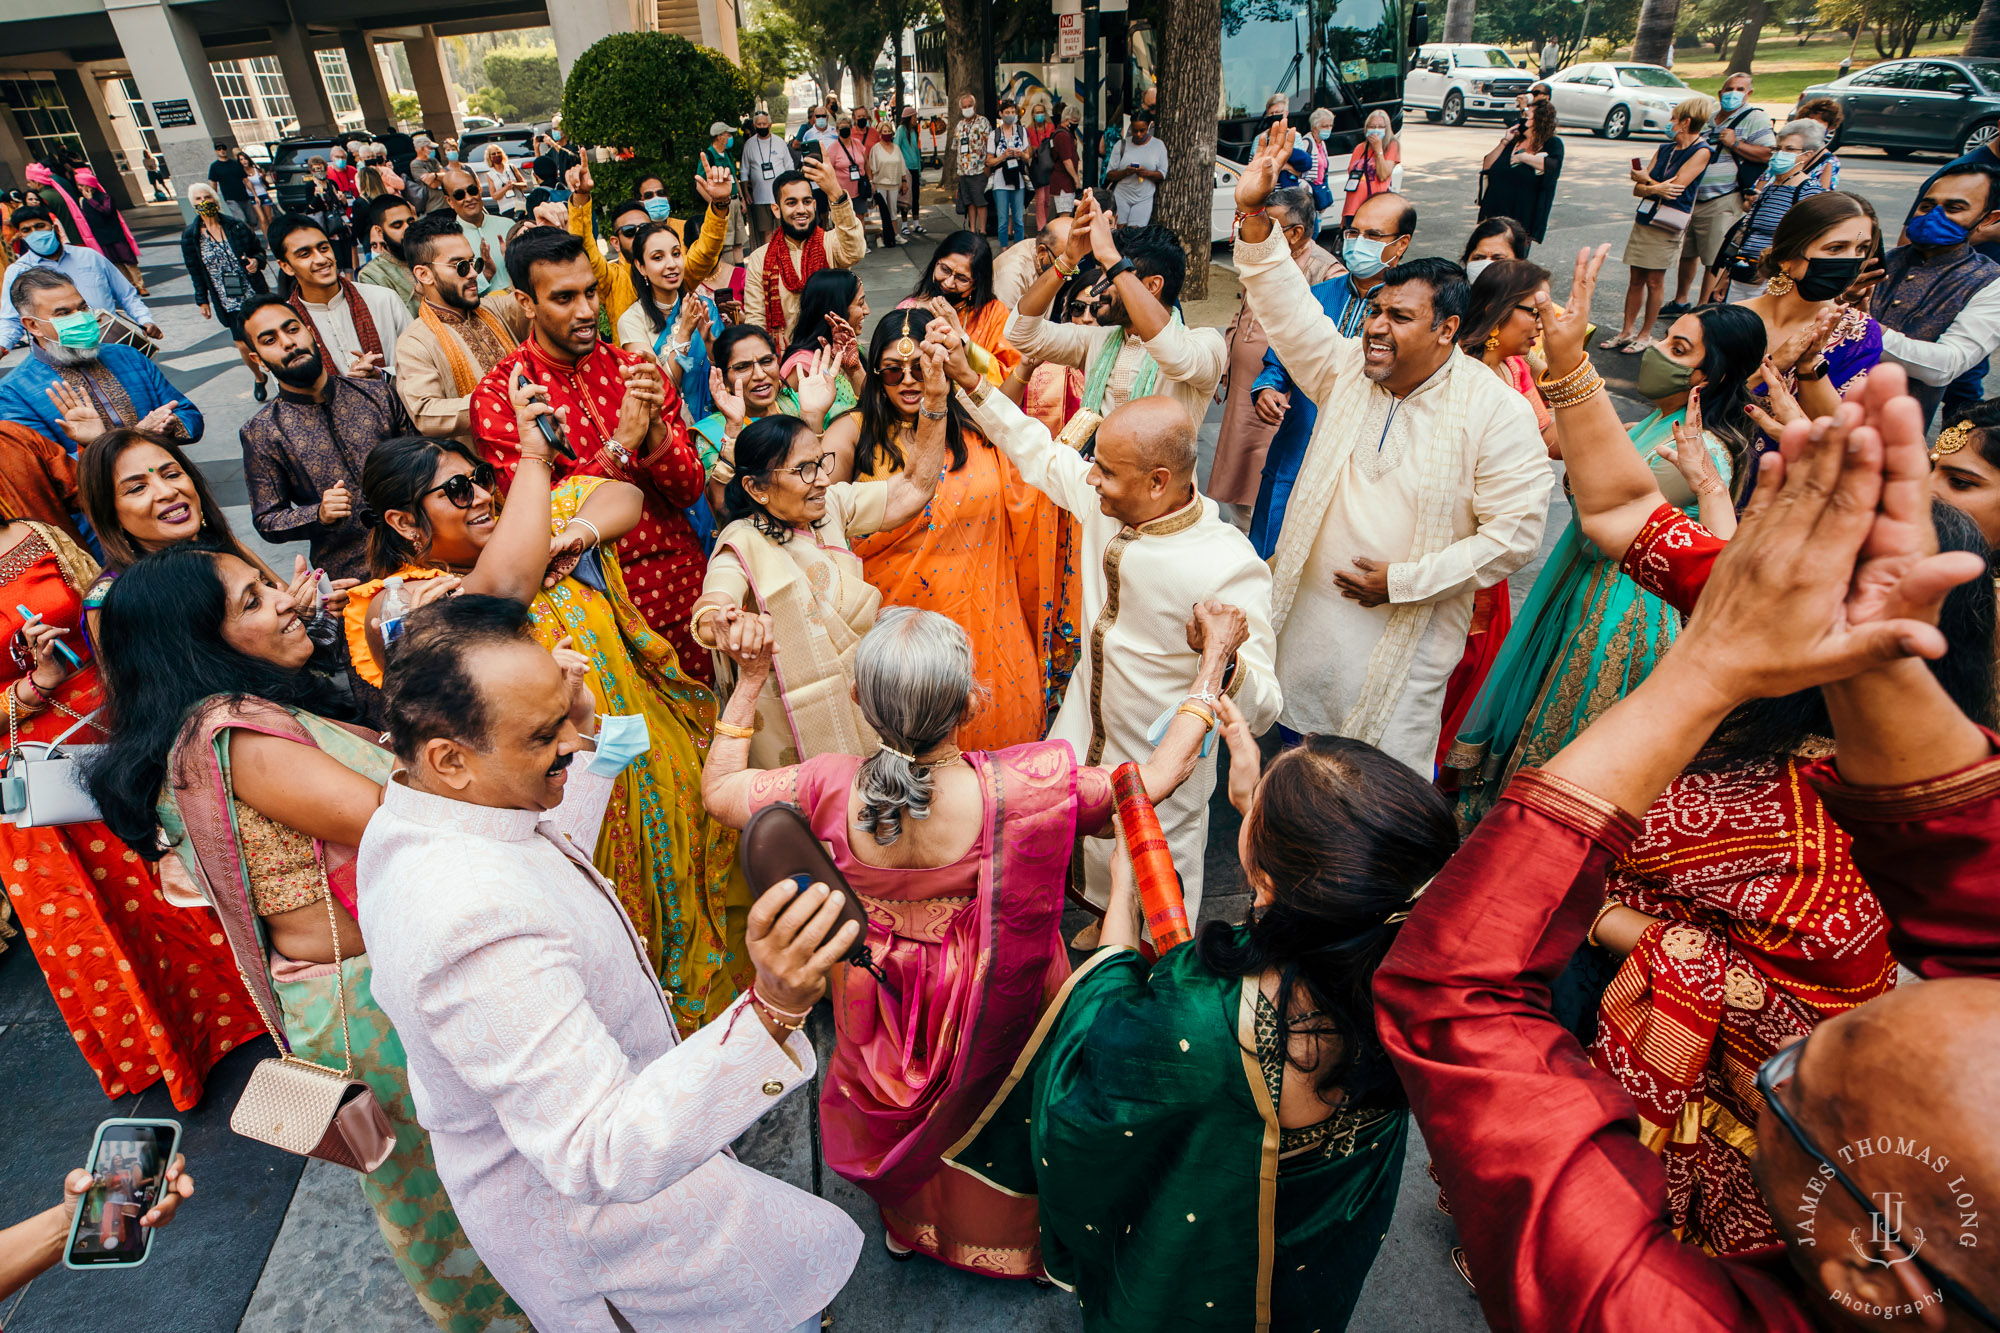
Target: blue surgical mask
[
  {"x": 1732, "y": 99},
  {"x": 819, "y": 122},
  {"x": 1363, "y": 257},
  {"x": 1326, "y": 133},
  {"x": 1935, "y": 229},
  {"x": 659, "y": 210},
  {"x": 556, "y": 135},
  {"x": 451, "y": 156},
  {"x": 1782, "y": 162},
  {"x": 1376, "y": 133},
  {"x": 620, "y": 740},
  {"x": 44, "y": 243}
]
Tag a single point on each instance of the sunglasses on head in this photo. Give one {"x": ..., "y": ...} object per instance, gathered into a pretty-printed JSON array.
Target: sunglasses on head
[
  {"x": 458, "y": 490},
  {"x": 459, "y": 266}
]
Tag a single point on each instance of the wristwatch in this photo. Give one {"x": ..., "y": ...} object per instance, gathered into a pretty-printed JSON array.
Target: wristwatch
[
  {"x": 1123, "y": 265},
  {"x": 1817, "y": 371}
]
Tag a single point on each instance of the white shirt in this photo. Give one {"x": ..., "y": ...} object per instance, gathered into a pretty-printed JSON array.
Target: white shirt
[
  {"x": 1969, "y": 339},
  {"x": 1134, "y": 194},
  {"x": 1014, "y": 272},
  {"x": 1139, "y": 586},
  {"x": 1191, "y": 361},
  {"x": 1002, "y": 140},
  {"x": 764, "y": 160},
  {"x": 335, "y": 323},
  {"x": 493, "y": 230},
  {"x": 582, "y": 1144}
]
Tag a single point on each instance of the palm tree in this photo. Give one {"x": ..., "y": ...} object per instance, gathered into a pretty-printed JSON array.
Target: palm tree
[
  {"x": 1984, "y": 40},
  {"x": 1656, "y": 30},
  {"x": 1458, "y": 20}
]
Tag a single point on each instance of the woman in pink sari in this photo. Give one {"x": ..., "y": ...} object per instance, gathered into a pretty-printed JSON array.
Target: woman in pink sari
[{"x": 962, "y": 878}]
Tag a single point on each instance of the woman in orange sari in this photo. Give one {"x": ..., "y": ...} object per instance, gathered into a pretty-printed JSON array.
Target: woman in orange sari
[
  {"x": 960, "y": 278},
  {"x": 148, "y": 990},
  {"x": 989, "y": 551}
]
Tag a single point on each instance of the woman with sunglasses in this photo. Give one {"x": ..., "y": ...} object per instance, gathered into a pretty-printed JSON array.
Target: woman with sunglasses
[
  {"x": 439, "y": 524},
  {"x": 785, "y": 561},
  {"x": 743, "y": 374},
  {"x": 668, "y": 320},
  {"x": 229, "y": 752},
  {"x": 989, "y": 551}
]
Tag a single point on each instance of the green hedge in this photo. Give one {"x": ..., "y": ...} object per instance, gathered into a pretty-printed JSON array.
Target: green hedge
[{"x": 655, "y": 93}]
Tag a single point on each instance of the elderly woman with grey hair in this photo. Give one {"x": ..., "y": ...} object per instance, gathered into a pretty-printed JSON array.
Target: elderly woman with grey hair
[
  {"x": 961, "y": 870},
  {"x": 1371, "y": 170},
  {"x": 1246, "y": 433},
  {"x": 1795, "y": 173}
]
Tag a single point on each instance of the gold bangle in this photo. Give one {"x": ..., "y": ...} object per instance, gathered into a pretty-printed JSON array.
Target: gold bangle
[
  {"x": 1571, "y": 395},
  {"x": 734, "y": 732},
  {"x": 1196, "y": 710},
  {"x": 1590, "y": 936},
  {"x": 1584, "y": 370}
]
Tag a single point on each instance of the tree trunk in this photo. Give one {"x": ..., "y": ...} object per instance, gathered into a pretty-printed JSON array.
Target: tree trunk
[
  {"x": 961, "y": 70},
  {"x": 1984, "y": 39},
  {"x": 1458, "y": 20},
  {"x": 1656, "y": 31},
  {"x": 1190, "y": 66},
  {"x": 1746, "y": 41}
]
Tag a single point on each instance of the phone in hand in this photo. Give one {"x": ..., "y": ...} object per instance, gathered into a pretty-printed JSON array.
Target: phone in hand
[
  {"x": 547, "y": 424},
  {"x": 1638, "y": 164},
  {"x": 128, "y": 1175}
]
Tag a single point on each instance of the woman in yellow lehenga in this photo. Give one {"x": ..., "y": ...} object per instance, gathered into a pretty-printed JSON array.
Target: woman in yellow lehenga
[
  {"x": 435, "y": 503},
  {"x": 988, "y": 551}
]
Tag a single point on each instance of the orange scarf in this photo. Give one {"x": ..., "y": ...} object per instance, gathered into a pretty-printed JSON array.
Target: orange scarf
[{"x": 465, "y": 376}]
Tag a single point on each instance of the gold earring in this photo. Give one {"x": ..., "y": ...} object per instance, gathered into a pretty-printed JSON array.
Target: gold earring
[
  {"x": 1779, "y": 285},
  {"x": 1493, "y": 341}
]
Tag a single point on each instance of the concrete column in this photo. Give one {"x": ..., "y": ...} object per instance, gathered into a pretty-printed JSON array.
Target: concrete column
[
  {"x": 100, "y": 141},
  {"x": 367, "y": 76},
  {"x": 14, "y": 154},
  {"x": 579, "y": 24},
  {"x": 309, "y": 100},
  {"x": 169, "y": 65},
  {"x": 433, "y": 86}
]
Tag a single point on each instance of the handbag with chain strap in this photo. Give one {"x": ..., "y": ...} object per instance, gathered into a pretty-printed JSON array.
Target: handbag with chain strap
[{"x": 41, "y": 782}]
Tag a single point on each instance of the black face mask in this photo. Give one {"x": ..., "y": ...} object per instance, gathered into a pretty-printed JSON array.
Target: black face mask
[
  {"x": 763, "y": 131},
  {"x": 1828, "y": 278}
]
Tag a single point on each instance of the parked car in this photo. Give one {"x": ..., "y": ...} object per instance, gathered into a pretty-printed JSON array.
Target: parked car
[
  {"x": 1451, "y": 81},
  {"x": 516, "y": 140},
  {"x": 1613, "y": 99},
  {"x": 289, "y": 162},
  {"x": 1948, "y": 106},
  {"x": 481, "y": 123}
]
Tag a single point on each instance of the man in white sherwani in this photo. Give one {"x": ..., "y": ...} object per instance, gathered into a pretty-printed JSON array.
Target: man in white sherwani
[
  {"x": 581, "y": 1143},
  {"x": 1160, "y": 570},
  {"x": 1425, "y": 481}
]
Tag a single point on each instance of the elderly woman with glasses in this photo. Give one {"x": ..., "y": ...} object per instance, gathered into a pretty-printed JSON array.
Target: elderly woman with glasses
[{"x": 784, "y": 569}]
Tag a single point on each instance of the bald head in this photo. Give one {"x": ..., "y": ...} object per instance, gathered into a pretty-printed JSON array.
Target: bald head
[
  {"x": 1054, "y": 239},
  {"x": 1145, "y": 460},
  {"x": 1899, "y": 1093},
  {"x": 1161, "y": 432}
]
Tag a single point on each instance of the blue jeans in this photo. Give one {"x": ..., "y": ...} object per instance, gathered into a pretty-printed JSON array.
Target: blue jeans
[{"x": 1008, "y": 216}]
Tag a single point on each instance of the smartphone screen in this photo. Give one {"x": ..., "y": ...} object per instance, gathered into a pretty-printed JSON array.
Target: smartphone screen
[{"x": 128, "y": 1169}]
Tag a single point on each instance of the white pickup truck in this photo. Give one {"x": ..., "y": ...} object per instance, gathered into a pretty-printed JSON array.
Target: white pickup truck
[{"x": 1453, "y": 81}]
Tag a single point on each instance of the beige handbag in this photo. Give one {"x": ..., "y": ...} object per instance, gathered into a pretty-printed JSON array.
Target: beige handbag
[{"x": 305, "y": 1108}]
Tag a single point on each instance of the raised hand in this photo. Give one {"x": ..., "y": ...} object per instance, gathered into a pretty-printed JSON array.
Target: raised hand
[
  {"x": 1260, "y": 177},
  {"x": 846, "y": 342},
  {"x": 160, "y": 417},
  {"x": 577, "y": 672},
  {"x": 1779, "y": 409},
  {"x": 820, "y": 172},
  {"x": 304, "y": 587},
  {"x": 937, "y": 384},
  {"x": 1564, "y": 327},
  {"x": 714, "y": 185},
  {"x": 1217, "y": 629},
  {"x": 727, "y": 397},
  {"x": 1103, "y": 239},
  {"x": 364, "y": 365},
  {"x": 1801, "y": 346},
  {"x": 945, "y": 335},
  {"x": 816, "y": 388},
  {"x": 42, "y": 638},
  {"x": 1087, "y": 211},
  {"x": 1245, "y": 763},
  {"x": 692, "y": 321},
  {"x": 530, "y": 400},
  {"x": 1689, "y": 453},
  {"x": 553, "y": 214},
  {"x": 78, "y": 414}
]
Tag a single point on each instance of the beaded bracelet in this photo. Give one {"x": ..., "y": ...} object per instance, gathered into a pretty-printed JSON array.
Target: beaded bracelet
[
  {"x": 1571, "y": 396},
  {"x": 1582, "y": 372},
  {"x": 777, "y": 1015}
]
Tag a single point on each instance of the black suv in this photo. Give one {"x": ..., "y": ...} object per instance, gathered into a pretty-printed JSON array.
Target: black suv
[
  {"x": 518, "y": 141},
  {"x": 1948, "y": 105},
  {"x": 289, "y": 159}
]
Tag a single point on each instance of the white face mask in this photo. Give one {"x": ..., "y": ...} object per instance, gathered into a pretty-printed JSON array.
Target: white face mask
[
  {"x": 965, "y": 112},
  {"x": 1475, "y": 268}
]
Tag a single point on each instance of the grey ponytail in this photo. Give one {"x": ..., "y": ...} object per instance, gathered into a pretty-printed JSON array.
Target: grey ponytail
[{"x": 912, "y": 677}]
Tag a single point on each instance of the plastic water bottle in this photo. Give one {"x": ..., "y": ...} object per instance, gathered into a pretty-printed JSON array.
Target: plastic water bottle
[{"x": 395, "y": 606}]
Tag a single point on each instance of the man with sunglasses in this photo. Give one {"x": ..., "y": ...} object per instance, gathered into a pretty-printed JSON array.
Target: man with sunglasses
[
  {"x": 1875, "y": 1149},
  {"x": 620, "y": 416},
  {"x": 355, "y": 323},
  {"x": 614, "y": 278},
  {"x": 304, "y": 450},
  {"x": 486, "y": 231},
  {"x": 458, "y": 336}
]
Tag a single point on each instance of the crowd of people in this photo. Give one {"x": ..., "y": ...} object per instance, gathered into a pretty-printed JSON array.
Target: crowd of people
[{"x": 619, "y": 550}]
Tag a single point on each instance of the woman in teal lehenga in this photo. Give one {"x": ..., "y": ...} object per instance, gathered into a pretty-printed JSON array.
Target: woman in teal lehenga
[
  {"x": 1216, "y": 1140},
  {"x": 1587, "y": 633}
]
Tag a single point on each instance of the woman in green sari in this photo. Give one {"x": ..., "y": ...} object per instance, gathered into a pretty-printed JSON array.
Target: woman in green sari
[
  {"x": 224, "y": 751},
  {"x": 1587, "y": 633},
  {"x": 1216, "y": 1139}
]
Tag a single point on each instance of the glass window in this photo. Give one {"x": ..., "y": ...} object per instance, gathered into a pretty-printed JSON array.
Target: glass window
[
  {"x": 1647, "y": 76},
  {"x": 1933, "y": 78},
  {"x": 41, "y": 113},
  {"x": 235, "y": 90},
  {"x": 1490, "y": 58},
  {"x": 1881, "y": 76},
  {"x": 271, "y": 89},
  {"x": 339, "y": 82}
]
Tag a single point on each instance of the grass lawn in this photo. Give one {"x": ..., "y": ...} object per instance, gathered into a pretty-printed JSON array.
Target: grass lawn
[
  {"x": 1785, "y": 67},
  {"x": 1779, "y": 86}
]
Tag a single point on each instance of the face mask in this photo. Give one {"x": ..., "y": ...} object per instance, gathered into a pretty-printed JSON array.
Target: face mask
[
  {"x": 763, "y": 131},
  {"x": 46, "y": 243},
  {"x": 1475, "y": 268},
  {"x": 1662, "y": 377},
  {"x": 620, "y": 740},
  {"x": 1363, "y": 257},
  {"x": 1828, "y": 277},
  {"x": 77, "y": 330},
  {"x": 1783, "y": 162},
  {"x": 1935, "y": 229},
  {"x": 965, "y": 113},
  {"x": 1326, "y": 133},
  {"x": 819, "y": 122},
  {"x": 1039, "y": 118},
  {"x": 451, "y": 156},
  {"x": 846, "y": 130},
  {"x": 1732, "y": 99},
  {"x": 340, "y": 159},
  {"x": 1376, "y": 134},
  {"x": 860, "y": 124},
  {"x": 1009, "y": 118},
  {"x": 659, "y": 210},
  {"x": 556, "y": 135}
]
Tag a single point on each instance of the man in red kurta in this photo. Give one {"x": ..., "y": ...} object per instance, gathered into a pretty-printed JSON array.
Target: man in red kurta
[
  {"x": 1562, "y": 1210},
  {"x": 622, "y": 418}
]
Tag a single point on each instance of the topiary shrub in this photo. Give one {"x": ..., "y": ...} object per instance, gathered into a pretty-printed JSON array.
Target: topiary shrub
[{"x": 650, "y": 97}]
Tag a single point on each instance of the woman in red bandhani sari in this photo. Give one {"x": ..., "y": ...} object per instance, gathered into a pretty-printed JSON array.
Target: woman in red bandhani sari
[
  {"x": 960, "y": 861},
  {"x": 148, "y": 990}
]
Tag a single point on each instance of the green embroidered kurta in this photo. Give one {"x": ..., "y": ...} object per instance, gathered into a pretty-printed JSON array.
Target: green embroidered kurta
[{"x": 1139, "y": 1116}]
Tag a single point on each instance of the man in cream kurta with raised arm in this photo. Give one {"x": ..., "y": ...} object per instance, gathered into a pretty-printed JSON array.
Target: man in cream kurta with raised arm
[
  {"x": 1154, "y": 551},
  {"x": 1425, "y": 481},
  {"x": 582, "y": 1144}
]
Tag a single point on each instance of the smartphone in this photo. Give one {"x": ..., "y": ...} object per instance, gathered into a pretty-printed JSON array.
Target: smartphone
[
  {"x": 1638, "y": 164},
  {"x": 813, "y": 149},
  {"x": 550, "y": 428},
  {"x": 128, "y": 1172}
]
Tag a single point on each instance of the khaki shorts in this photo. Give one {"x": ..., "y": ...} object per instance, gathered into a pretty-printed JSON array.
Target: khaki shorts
[
  {"x": 1652, "y": 247},
  {"x": 1711, "y": 223}
]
